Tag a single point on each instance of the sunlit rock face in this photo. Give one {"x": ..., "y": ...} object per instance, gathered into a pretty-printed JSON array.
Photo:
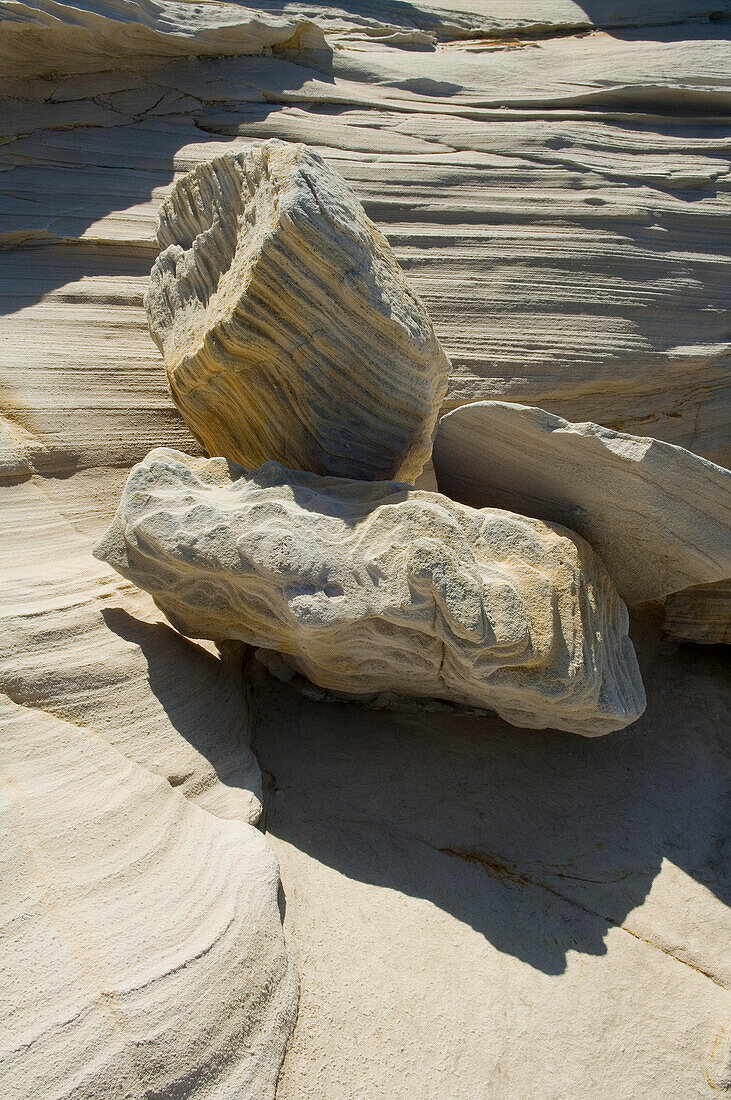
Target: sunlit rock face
[
  {"x": 142, "y": 952},
  {"x": 658, "y": 515},
  {"x": 373, "y": 587},
  {"x": 287, "y": 327}
]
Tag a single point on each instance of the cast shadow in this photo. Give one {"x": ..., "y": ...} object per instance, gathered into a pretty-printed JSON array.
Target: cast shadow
[
  {"x": 540, "y": 841},
  {"x": 202, "y": 697},
  {"x": 66, "y": 181}
]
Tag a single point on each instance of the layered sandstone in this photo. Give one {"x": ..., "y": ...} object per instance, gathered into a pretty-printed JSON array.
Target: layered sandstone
[
  {"x": 286, "y": 325},
  {"x": 700, "y": 614}
]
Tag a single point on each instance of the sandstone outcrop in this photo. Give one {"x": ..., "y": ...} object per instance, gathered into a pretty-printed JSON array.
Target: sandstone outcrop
[
  {"x": 141, "y": 947},
  {"x": 372, "y": 587},
  {"x": 86, "y": 646},
  {"x": 658, "y": 515},
  {"x": 286, "y": 325},
  {"x": 47, "y": 37},
  {"x": 700, "y": 614},
  {"x": 467, "y": 904}
]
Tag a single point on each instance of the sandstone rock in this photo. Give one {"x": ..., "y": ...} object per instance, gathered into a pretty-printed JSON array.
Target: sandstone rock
[
  {"x": 373, "y": 588},
  {"x": 700, "y": 614},
  {"x": 141, "y": 947},
  {"x": 19, "y": 452},
  {"x": 49, "y": 37},
  {"x": 570, "y": 236},
  {"x": 658, "y": 515},
  {"x": 287, "y": 327},
  {"x": 86, "y": 646}
]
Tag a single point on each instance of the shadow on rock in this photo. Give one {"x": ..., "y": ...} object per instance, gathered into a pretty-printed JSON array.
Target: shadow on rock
[
  {"x": 539, "y": 840},
  {"x": 203, "y": 699}
]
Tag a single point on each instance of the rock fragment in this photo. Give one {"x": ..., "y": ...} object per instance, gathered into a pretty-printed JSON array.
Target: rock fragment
[
  {"x": 287, "y": 327},
  {"x": 374, "y": 587},
  {"x": 658, "y": 515}
]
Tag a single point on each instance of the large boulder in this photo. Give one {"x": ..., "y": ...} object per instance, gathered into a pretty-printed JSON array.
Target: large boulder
[
  {"x": 374, "y": 587},
  {"x": 658, "y": 515},
  {"x": 287, "y": 327}
]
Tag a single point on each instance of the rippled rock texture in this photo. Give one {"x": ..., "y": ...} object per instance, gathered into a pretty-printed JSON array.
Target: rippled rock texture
[
  {"x": 531, "y": 914},
  {"x": 377, "y": 588},
  {"x": 657, "y": 515},
  {"x": 141, "y": 947},
  {"x": 287, "y": 327}
]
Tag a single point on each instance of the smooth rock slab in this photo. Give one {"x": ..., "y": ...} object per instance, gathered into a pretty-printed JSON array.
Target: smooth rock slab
[
  {"x": 658, "y": 515},
  {"x": 371, "y": 588},
  {"x": 286, "y": 325}
]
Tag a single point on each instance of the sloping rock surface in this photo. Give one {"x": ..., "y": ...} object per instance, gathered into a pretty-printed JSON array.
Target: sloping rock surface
[
  {"x": 138, "y": 930},
  {"x": 657, "y": 515},
  {"x": 560, "y": 202}
]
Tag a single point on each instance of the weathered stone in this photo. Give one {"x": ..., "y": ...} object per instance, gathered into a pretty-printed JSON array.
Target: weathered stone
[
  {"x": 658, "y": 515},
  {"x": 700, "y": 614},
  {"x": 373, "y": 587},
  {"x": 286, "y": 325},
  {"x": 574, "y": 259}
]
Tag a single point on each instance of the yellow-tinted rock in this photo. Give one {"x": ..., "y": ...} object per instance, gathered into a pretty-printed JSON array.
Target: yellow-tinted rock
[{"x": 286, "y": 325}]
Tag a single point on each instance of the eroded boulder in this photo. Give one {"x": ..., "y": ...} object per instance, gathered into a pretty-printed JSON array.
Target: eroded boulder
[
  {"x": 658, "y": 515},
  {"x": 287, "y": 327},
  {"x": 375, "y": 587}
]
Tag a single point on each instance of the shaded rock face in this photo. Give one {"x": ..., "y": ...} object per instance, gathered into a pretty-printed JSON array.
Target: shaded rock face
[
  {"x": 700, "y": 614},
  {"x": 658, "y": 515},
  {"x": 372, "y": 587},
  {"x": 286, "y": 325}
]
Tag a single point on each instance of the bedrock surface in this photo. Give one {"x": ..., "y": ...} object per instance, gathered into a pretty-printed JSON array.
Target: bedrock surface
[
  {"x": 498, "y": 900},
  {"x": 560, "y": 202},
  {"x": 138, "y": 930}
]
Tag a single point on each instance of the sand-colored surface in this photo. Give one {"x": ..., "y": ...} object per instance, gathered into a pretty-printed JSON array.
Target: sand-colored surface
[{"x": 473, "y": 911}]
